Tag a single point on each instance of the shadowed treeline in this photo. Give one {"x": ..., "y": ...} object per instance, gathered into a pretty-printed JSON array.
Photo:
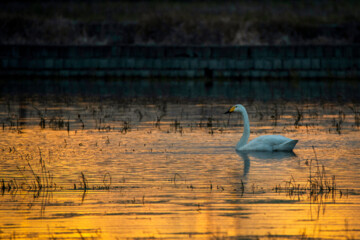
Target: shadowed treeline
[{"x": 180, "y": 22}]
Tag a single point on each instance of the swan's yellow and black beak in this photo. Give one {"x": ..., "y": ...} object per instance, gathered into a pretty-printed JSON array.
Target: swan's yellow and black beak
[{"x": 231, "y": 110}]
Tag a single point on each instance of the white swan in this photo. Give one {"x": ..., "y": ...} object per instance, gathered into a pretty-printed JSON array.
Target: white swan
[{"x": 266, "y": 143}]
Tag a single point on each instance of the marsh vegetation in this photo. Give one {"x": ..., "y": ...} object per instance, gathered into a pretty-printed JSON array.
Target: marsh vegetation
[{"x": 91, "y": 167}]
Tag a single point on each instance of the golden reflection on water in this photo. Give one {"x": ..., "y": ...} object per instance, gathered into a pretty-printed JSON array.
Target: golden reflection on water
[{"x": 180, "y": 178}]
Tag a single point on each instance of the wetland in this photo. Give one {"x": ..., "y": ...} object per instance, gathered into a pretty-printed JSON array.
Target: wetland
[{"x": 145, "y": 159}]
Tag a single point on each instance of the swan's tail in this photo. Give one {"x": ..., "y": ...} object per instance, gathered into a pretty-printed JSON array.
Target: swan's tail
[{"x": 288, "y": 146}]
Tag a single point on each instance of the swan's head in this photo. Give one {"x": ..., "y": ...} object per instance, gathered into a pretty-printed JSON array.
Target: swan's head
[{"x": 236, "y": 108}]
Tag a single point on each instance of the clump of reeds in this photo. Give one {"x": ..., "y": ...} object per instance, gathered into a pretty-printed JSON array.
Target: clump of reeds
[
  {"x": 337, "y": 123},
  {"x": 298, "y": 117},
  {"x": 56, "y": 123},
  {"x": 318, "y": 183},
  {"x": 42, "y": 122},
  {"x": 41, "y": 178},
  {"x": 176, "y": 177},
  {"x": 68, "y": 126},
  {"x": 356, "y": 113},
  {"x": 176, "y": 125},
  {"x": 157, "y": 122},
  {"x": 259, "y": 113},
  {"x": 81, "y": 121},
  {"x": 13, "y": 122},
  {"x": 107, "y": 181},
  {"x": 101, "y": 126},
  {"x": 126, "y": 127},
  {"x": 83, "y": 181},
  {"x": 37, "y": 180},
  {"x": 276, "y": 114},
  {"x": 159, "y": 116},
  {"x": 140, "y": 115},
  {"x": 84, "y": 186},
  {"x": 9, "y": 186},
  {"x": 209, "y": 123}
]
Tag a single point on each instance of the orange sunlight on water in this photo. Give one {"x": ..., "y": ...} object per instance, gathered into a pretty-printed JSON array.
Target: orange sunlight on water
[{"x": 180, "y": 178}]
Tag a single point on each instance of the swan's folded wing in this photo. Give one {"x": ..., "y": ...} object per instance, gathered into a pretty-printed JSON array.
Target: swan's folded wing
[
  {"x": 271, "y": 140},
  {"x": 270, "y": 143},
  {"x": 287, "y": 146}
]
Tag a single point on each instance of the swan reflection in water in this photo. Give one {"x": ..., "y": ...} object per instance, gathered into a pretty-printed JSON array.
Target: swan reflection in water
[{"x": 264, "y": 156}]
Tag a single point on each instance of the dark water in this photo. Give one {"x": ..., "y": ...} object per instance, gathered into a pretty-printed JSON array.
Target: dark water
[
  {"x": 198, "y": 89},
  {"x": 158, "y": 160}
]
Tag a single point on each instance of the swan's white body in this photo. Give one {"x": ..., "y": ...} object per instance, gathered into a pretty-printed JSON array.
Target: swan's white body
[{"x": 266, "y": 143}]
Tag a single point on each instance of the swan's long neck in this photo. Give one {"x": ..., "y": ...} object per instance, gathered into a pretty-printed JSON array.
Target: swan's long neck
[{"x": 246, "y": 134}]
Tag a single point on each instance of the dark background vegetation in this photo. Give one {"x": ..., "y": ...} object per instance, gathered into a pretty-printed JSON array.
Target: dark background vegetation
[{"x": 180, "y": 22}]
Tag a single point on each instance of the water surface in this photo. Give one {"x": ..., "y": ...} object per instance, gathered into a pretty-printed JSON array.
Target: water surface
[{"x": 167, "y": 168}]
